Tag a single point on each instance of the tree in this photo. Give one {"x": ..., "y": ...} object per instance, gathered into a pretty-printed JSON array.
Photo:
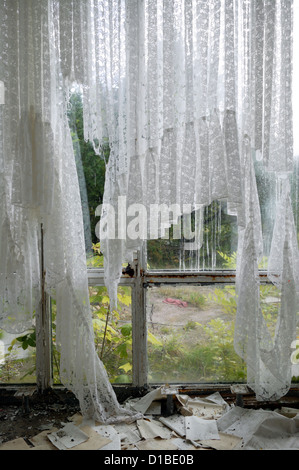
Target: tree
[{"x": 94, "y": 166}]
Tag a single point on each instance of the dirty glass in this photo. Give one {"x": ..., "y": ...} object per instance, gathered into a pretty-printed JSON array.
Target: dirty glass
[
  {"x": 217, "y": 238},
  {"x": 113, "y": 332},
  {"x": 191, "y": 332}
]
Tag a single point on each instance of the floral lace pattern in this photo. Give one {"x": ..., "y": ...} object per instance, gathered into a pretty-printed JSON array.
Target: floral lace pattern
[{"x": 183, "y": 91}]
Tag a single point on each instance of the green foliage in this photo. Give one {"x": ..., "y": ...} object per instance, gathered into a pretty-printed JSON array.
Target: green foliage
[
  {"x": 226, "y": 363},
  {"x": 187, "y": 294},
  {"x": 163, "y": 254},
  {"x": 96, "y": 260},
  {"x": 228, "y": 261},
  {"x": 219, "y": 236},
  {"x": 16, "y": 369},
  {"x": 195, "y": 352},
  {"x": 226, "y": 298},
  {"x": 26, "y": 340},
  {"x": 113, "y": 335},
  {"x": 205, "y": 352}
]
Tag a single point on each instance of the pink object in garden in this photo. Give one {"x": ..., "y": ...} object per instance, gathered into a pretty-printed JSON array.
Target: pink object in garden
[{"x": 179, "y": 303}]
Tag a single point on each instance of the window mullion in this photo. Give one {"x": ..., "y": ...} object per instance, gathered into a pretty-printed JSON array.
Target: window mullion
[{"x": 139, "y": 325}]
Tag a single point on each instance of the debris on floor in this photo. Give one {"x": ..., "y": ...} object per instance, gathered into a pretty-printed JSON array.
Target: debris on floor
[
  {"x": 262, "y": 429},
  {"x": 190, "y": 424}
]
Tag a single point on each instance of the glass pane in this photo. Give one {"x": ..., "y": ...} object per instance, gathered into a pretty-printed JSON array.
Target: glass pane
[
  {"x": 91, "y": 175},
  {"x": 113, "y": 332},
  {"x": 191, "y": 333},
  {"x": 17, "y": 357},
  {"x": 217, "y": 236}
]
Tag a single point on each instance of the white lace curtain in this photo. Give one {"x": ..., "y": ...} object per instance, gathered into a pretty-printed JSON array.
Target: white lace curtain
[
  {"x": 39, "y": 185},
  {"x": 185, "y": 92}
]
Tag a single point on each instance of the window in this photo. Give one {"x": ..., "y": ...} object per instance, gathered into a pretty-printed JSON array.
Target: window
[{"x": 172, "y": 297}]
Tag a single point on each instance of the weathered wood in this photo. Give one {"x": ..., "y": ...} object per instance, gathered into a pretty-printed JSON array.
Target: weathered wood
[{"x": 43, "y": 332}]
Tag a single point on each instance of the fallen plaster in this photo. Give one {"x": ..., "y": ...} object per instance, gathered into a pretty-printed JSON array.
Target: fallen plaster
[
  {"x": 198, "y": 429},
  {"x": 208, "y": 423}
]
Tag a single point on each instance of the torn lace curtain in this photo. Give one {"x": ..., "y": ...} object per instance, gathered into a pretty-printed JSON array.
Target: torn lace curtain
[
  {"x": 197, "y": 92},
  {"x": 185, "y": 92},
  {"x": 39, "y": 186}
]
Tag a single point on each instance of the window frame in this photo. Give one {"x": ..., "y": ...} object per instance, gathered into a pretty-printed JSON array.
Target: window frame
[{"x": 140, "y": 281}]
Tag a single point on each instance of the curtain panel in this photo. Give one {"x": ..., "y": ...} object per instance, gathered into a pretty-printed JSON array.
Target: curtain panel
[
  {"x": 39, "y": 187},
  {"x": 188, "y": 94}
]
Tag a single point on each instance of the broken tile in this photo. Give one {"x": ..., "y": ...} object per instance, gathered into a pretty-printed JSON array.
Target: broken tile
[
  {"x": 183, "y": 444},
  {"x": 67, "y": 437},
  {"x": 176, "y": 423},
  {"x": 198, "y": 429},
  {"x": 150, "y": 429},
  {"x": 115, "y": 444},
  {"x": 129, "y": 433}
]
